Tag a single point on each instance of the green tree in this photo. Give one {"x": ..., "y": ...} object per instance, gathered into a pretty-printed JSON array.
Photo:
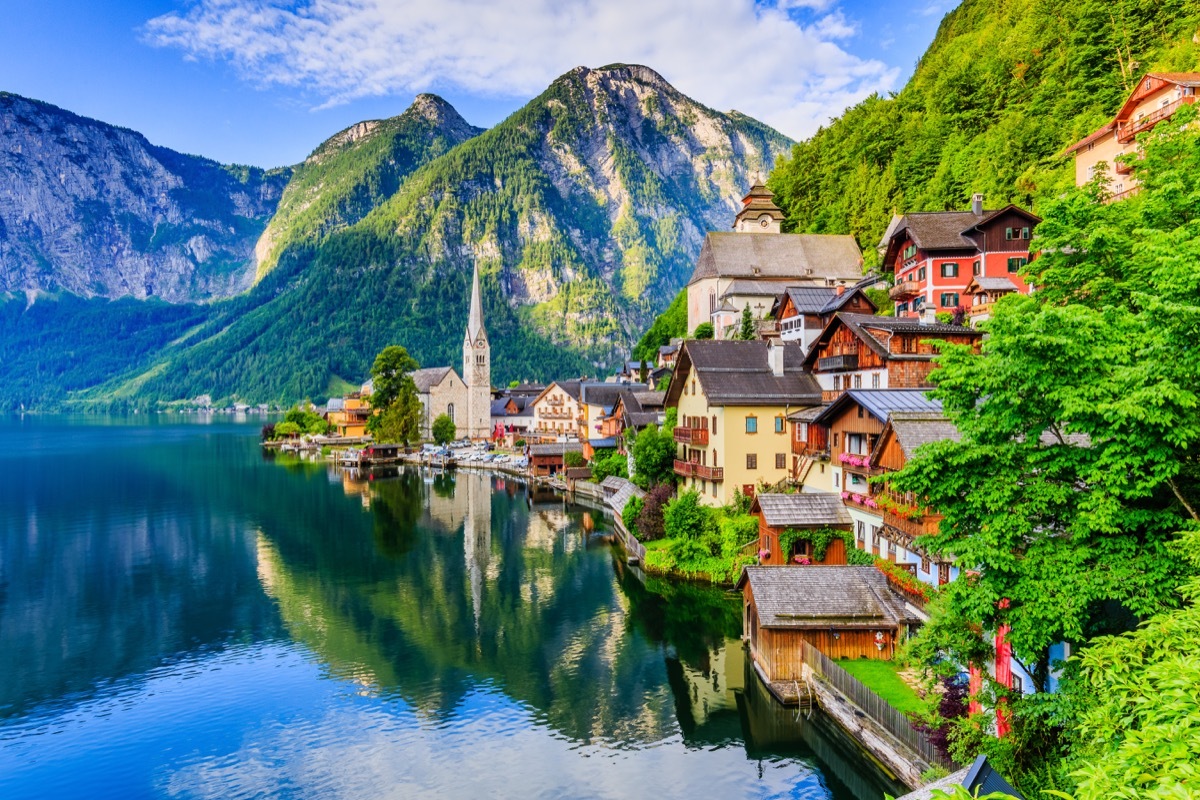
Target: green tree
[
  {"x": 443, "y": 429},
  {"x": 399, "y": 423},
  {"x": 746, "y": 332},
  {"x": 703, "y": 331},
  {"x": 654, "y": 457},
  {"x": 391, "y": 375},
  {"x": 608, "y": 462},
  {"x": 394, "y": 397},
  {"x": 631, "y": 512}
]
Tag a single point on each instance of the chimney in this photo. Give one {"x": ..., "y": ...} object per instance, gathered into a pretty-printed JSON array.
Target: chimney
[
  {"x": 977, "y": 204},
  {"x": 841, "y": 288},
  {"x": 928, "y": 315},
  {"x": 775, "y": 358}
]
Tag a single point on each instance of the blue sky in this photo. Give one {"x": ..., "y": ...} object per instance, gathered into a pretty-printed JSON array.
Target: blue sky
[{"x": 264, "y": 81}]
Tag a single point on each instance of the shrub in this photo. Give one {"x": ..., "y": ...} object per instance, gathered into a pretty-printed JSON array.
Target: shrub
[
  {"x": 606, "y": 463},
  {"x": 287, "y": 429},
  {"x": 573, "y": 459},
  {"x": 633, "y": 510},
  {"x": 443, "y": 429},
  {"x": 268, "y": 432},
  {"x": 650, "y": 523},
  {"x": 685, "y": 517}
]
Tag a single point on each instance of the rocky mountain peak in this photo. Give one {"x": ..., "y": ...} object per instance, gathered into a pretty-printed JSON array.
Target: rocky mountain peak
[{"x": 442, "y": 115}]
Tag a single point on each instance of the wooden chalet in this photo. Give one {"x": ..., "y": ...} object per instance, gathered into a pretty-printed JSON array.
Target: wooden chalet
[
  {"x": 856, "y": 351},
  {"x": 548, "y": 460},
  {"x": 843, "y": 611},
  {"x": 802, "y": 312},
  {"x": 778, "y": 513},
  {"x": 982, "y": 294}
]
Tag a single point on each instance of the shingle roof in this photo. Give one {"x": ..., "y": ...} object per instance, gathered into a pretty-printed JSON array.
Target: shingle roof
[
  {"x": 804, "y": 509},
  {"x": 601, "y": 394},
  {"x": 745, "y": 286},
  {"x": 613, "y": 482},
  {"x": 737, "y": 373},
  {"x": 879, "y": 403},
  {"x": 778, "y": 256},
  {"x": 807, "y": 414},
  {"x": 667, "y": 349},
  {"x": 624, "y": 493},
  {"x": 988, "y": 284},
  {"x": 820, "y": 596},
  {"x": 649, "y": 399},
  {"x": 941, "y": 230},
  {"x": 915, "y": 428},
  {"x": 818, "y": 299},
  {"x": 555, "y": 448},
  {"x": 864, "y": 325},
  {"x": 427, "y": 378}
]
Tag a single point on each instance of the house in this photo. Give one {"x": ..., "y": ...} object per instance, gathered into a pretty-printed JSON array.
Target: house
[
  {"x": 548, "y": 460},
  {"x": 853, "y": 424},
  {"x": 633, "y": 411},
  {"x": 757, "y": 251},
  {"x": 806, "y": 511},
  {"x": 1156, "y": 97},
  {"x": 597, "y": 401},
  {"x": 979, "y": 779},
  {"x": 856, "y": 351},
  {"x": 904, "y": 518},
  {"x": 982, "y": 293},
  {"x": 802, "y": 312},
  {"x": 348, "y": 415},
  {"x": 733, "y": 398},
  {"x": 934, "y": 255},
  {"x": 811, "y": 470},
  {"x": 668, "y": 353},
  {"x": 511, "y": 416},
  {"x": 842, "y": 611},
  {"x": 557, "y": 412}
]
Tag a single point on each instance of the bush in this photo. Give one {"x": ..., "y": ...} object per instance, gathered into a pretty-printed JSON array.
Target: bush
[
  {"x": 606, "y": 463},
  {"x": 287, "y": 429},
  {"x": 633, "y": 510},
  {"x": 519, "y": 443},
  {"x": 703, "y": 331},
  {"x": 686, "y": 518},
  {"x": 650, "y": 521},
  {"x": 268, "y": 432},
  {"x": 573, "y": 459},
  {"x": 443, "y": 429}
]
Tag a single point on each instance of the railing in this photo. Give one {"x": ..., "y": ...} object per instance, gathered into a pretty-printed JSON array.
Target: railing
[
  {"x": 690, "y": 469},
  {"x": 691, "y": 436},
  {"x": 845, "y": 361},
  {"x": 1126, "y": 132},
  {"x": 924, "y": 526},
  {"x": 806, "y": 449},
  {"x": 979, "y": 309},
  {"x": 904, "y": 290},
  {"x": 1122, "y": 195},
  {"x": 556, "y": 414},
  {"x": 872, "y": 705},
  {"x": 829, "y": 395}
]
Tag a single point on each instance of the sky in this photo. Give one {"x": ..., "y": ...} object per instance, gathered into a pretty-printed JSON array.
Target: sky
[{"x": 263, "y": 82}]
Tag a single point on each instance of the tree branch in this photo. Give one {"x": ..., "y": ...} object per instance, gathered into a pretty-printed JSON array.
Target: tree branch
[{"x": 1179, "y": 496}]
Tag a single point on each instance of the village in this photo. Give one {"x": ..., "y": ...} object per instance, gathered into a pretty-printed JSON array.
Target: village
[{"x": 756, "y": 451}]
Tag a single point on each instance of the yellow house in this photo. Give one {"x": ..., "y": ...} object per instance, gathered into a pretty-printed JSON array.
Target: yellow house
[
  {"x": 348, "y": 415},
  {"x": 733, "y": 400}
]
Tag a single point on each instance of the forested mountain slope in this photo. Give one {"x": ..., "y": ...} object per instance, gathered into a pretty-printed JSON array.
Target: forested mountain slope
[{"x": 1004, "y": 87}]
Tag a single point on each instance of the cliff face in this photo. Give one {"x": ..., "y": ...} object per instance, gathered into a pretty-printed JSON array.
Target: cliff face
[{"x": 97, "y": 210}]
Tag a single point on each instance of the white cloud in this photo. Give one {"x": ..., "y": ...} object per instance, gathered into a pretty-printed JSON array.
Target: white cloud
[{"x": 764, "y": 60}]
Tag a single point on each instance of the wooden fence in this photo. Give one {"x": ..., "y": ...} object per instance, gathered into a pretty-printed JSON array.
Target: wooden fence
[{"x": 874, "y": 706}]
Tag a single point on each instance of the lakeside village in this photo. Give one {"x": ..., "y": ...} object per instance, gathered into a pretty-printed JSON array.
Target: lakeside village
[{"x": 759, "y": 451}]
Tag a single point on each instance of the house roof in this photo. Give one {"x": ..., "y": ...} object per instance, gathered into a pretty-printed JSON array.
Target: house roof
[
  {"x": 625, "y": 492},
  {"x": 735, "y": 372},
  {"x": 555, "y": 448},
  {"x": 819, "y": 299},
  {"x": 983, "y": 283},
  {"x": 1095, "y": 136},
  {"x": 823, "y": 596},
  {"x": 753, "y": 288},
  {"x": 979, "y": 779},
  {"x": 335, "y": 404},
  {"x": 602, "y": 394},
  {"x": 778, "y": 257},
  {"x": 613, "y": 482},
  {"x": 500, "y": 406},
  {"x": 668, "y": 349},
  {"x": 807, "y": 414},
  {"x": 880, "y": 403},
  {"x": 427, "y": 378},
  {"x": 915, "y": 428},
  {"x": 802, "y": 510},
  {"x": 947, "y": 230},
  {"x": 866, "y": 327}
]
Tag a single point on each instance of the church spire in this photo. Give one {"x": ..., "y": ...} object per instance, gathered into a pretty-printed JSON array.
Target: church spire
[{"x": 475, "y": 327}]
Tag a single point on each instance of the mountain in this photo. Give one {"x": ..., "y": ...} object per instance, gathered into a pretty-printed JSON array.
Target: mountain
[
  {"x": 1003, "y": 88},
  {"x": 585, "y": 211},
  {"x": 96, "y": 210}
]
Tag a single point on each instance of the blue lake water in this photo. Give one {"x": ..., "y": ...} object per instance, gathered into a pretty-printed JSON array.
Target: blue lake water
[{"x": 182, "y": 615}]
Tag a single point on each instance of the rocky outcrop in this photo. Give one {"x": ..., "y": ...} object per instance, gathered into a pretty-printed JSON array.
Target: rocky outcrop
[{"x": 97, "y": 210}]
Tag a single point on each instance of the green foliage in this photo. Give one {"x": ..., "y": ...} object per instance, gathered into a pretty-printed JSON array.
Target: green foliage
[
  {"x": 399, "y": 423},
  {"x": 608, "y": 462},
  {"x": 881, "y": 300},
  {"x": 631, "y": 512},
  {"x": 883, "y": 678},
  {"x": 443, "y": 429},
  {"x": 573, "y": 459},
  {"x": 703, "y": 542},
  {"x": 305, "y": 420},
  {"x": 654, "y": 457},
  {"x": 820, "y": 538},
  {"x": 746, "y": 331},
  {"x": 663, "y": 383},
  {"x": 286, "y": 429},
  {"x": 1000, "y": 92},
  {"x": 670, "y": 324},
  {"x": 703, "y": 331},
  {"x": 391, "y": 375}
]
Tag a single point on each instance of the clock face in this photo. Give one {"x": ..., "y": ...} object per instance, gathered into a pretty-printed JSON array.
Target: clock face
[{"x": 764, "y": 221}]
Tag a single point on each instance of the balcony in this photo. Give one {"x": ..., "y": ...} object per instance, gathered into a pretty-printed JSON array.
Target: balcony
[
  {"x": 696, "y": 436},
  {"x": 904, "y": 290},
  {"x": 926, "y": 525},
  {"x": 829, "y": 395},
  {"x": 1123, "y": 167},
  {"x": 810, "y": 450},
  {"x": 842, "y": 362},
  {"x": 554, "y": 414},
  {"x": 689, "y": 469},
  {"x": 1127, "y": 131}
]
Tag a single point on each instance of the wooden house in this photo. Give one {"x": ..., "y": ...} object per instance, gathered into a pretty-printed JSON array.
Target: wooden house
[
  {"x": 982, "y": 294},
  {"x": 806, "y": 511},
  {"x": 844, "y": 612},
  {"x": 802, "y": 312},
  {"x": 810, "y": 451},
  {"x": 547, "y": 460}
]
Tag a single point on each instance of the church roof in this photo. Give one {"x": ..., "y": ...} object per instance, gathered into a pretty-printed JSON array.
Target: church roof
[
  {"x": 475, "y": 327},
  {"x": 427, "y": 378},
  {"x": 793, "y": 257}
]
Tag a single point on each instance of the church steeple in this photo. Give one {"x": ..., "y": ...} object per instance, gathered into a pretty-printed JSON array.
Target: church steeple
[{"x": 475, "y": 328}]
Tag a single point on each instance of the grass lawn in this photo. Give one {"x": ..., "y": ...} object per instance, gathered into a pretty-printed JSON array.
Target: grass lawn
[{"x": 882, "y": 678}]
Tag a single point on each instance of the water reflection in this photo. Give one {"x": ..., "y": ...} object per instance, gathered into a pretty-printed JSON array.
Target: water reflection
[{"x": 302, "y": 630}]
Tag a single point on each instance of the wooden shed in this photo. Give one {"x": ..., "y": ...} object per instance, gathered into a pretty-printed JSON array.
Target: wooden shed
[
  {"x": 806, "y": 511},
  {"x": 546, "y": 460},
  {"x": 843, "y": 611}
]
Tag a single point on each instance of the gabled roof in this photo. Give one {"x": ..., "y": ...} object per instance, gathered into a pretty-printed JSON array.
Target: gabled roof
[
  {"x": 915, "y": 428},
  {"x": 737, "y": 373},
  {"x": 1139, "y": 91},
  {"x": 335, "y": 404},
  {"x": 866, "y": 327},
  {"x": 427, "y": 378},
  {"x": 983, "y": 283},
  {"x": 821, "y": 596},
  {"x": 753, "y": 288},
  {"x": 818, "y": 299},
  {"x": 522, "y": 402},
  {"x": 947, "y": 230},
  {"x": 1094, "y": 136},
  {"x": 601, "y": 394},
  {"x": 796, "y": 257},
  {"x": 569, "y": 388},
  {"x": 806, "y": 414},
  {"x": 801, "y": 510},
  {"x": 880, "y": 403},
  {"x": 624, "y": 492}
]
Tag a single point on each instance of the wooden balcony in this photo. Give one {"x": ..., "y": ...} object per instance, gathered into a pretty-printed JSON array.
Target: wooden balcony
[
  {"x": 1122, "y": 195},
  {"x": 842, "y": 362},
  {"x": 923, "y": 526},
  {"x": 689, "y": 469},
  {"x": 1127, "y": 131},
  {"x": 809, "y": 449},
  {"x": 829, "y": 395},
  {"x": 696, "y": 436},
  {"x": 553, "y": 414},
  {"x": 980, "y": 309},
  {"x": 904, "y": 290}
]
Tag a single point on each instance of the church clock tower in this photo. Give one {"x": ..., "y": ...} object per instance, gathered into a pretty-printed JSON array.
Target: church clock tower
[{"x": 477, "y": 370}]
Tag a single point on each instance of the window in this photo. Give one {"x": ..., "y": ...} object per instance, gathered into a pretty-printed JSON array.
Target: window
[
  {"x": 835, "y": 440},
  {"x": 874, "y": 380},
  {"x": 752, "y": 461},
  {"x": 1025, "y": 233},
  {"x": 949, "y": 299},
  {"x": 1091, "y": 172},
  {"x": 908, "y": 344},
  {"x": 450, "y": 411},
  {"x": 949, "y": 269},
  {"x": 860, "y": 535},
  {"x": 714, "y": 416},
  {"x": 835, "y": 480},
  {"x": 1015, "y": 264},
  {"x": 780, "y": 425},
  {"x": 1008, "y": 234},
  {"x": 902, "y": 309},
  {"x": 801, "y": 431},
  {"x": 1018, "y": 684},
  {"x": 751, "y": 424},
  {"x": 925, "y": 564},
  {"x": 977, "y": 267},
  {"x": 780, "y": 461},
  {"x": 921, "y": 274},
  {"x": 856, "y": 443},
  {"x": 910, "y": 251}
]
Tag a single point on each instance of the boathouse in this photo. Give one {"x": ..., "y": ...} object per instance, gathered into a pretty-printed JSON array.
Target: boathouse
[
  {"x": 843, "y": 611},
  {"x": 548, "y": 460},
  {"x": 782, "y": 516}
]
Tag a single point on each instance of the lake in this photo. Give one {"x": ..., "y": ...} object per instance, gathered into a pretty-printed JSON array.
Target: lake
[{"x": 182, "y": 615}]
